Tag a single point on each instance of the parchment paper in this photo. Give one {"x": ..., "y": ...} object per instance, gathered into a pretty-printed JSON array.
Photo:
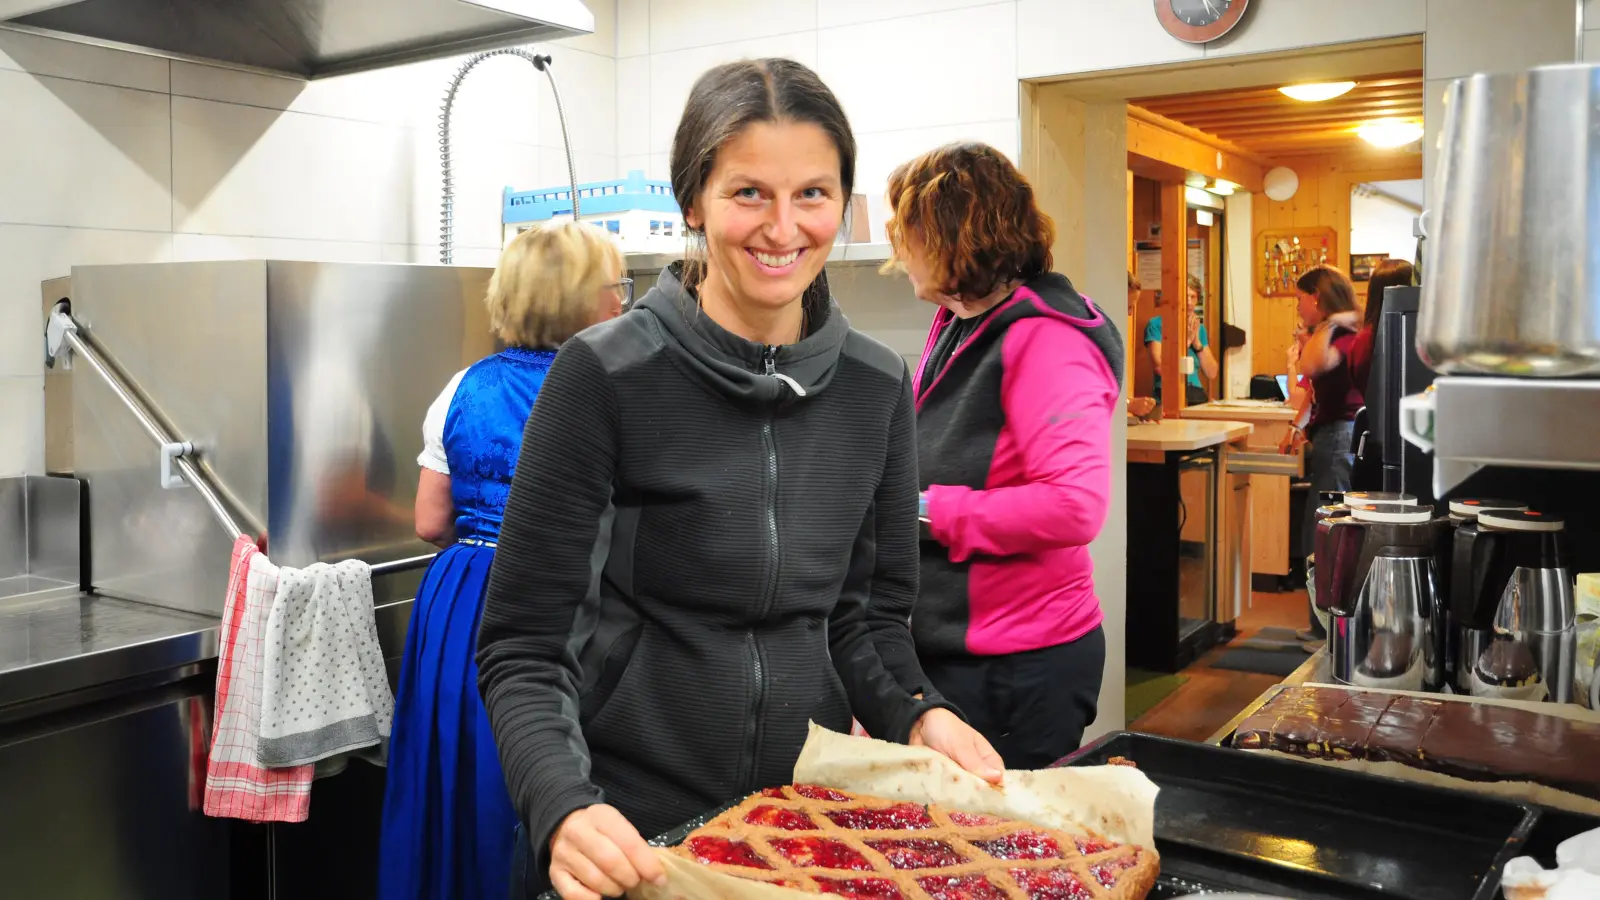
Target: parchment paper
[
  {"x": 1516, "y": 791},
  {"x": 1117, "y": 802}
]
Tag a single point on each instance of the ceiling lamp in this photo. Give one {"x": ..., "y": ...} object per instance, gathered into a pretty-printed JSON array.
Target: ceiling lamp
[
  {"x": 1390, "y": 133},
  {"x": 1316, "y": 93},
  {"x": 1222, "y": 188}
]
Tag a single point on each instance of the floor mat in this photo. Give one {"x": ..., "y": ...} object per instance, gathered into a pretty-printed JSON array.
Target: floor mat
[
  {"x": 1278, "y": 662},
  {"x": 1269, "y": 639},
  {"x": 1142, "y": 690}
]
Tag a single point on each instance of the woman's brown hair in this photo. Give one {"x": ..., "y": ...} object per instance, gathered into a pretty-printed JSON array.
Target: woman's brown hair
[
  {"x": 1331, "y": 287},
  {"x": 975, "y": 217},
  {"x": 728, "y": 99},
  {"x": 1389, "y": 273}
]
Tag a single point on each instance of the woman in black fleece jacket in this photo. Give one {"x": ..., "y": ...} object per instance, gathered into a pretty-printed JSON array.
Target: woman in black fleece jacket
[{"x": 711, "y": 537}]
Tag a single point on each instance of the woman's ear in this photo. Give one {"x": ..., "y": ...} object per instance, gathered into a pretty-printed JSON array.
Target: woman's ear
[{"x": 692, "y": 219}]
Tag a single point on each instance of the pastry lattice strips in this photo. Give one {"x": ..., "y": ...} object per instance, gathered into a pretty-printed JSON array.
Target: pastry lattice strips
[{"x": 821, "y": 840}]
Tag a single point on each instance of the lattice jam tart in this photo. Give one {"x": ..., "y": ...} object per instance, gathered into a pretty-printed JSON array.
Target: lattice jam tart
[{"x": 822, "y": 840}]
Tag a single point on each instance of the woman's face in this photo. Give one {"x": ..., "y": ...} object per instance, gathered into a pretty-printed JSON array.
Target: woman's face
[
  {"x": 1310, "y": 312},
  {"x": 610, "y": 300},
  {"x": 770, "y": 211},
  {"x": 1194, "y": 300},
  {"x": 913, "y": 256}
]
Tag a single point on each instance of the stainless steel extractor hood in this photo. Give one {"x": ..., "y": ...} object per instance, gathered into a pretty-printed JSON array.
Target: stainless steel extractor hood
[{"x": 305, "y": 38}]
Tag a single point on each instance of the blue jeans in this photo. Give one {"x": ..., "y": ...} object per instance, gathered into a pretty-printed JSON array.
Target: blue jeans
[{"x": 1328, "y": 464}]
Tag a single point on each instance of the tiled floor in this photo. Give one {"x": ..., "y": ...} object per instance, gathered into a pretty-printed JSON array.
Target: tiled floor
[{"x": 1213, "y": 696}]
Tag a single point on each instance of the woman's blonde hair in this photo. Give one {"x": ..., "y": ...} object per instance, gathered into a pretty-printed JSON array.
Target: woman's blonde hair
[{"x": 547, "y": 286}]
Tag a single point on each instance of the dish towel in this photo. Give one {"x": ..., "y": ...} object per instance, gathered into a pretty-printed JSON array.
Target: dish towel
[
  {"x": 327, "y": 692},
  {"x": 238, "y": 784}
]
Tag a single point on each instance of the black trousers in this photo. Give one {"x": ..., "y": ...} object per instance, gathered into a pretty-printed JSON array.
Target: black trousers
[{"x": 1032, "y": 706}]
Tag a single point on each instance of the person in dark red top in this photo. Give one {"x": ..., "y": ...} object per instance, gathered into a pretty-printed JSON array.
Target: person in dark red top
[
  {"x": 1390, "y": 273},
  {"x": 1328, "y": 309}
]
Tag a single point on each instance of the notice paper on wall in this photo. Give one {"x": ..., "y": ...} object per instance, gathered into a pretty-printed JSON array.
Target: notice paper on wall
[{"x": 1148, "y": 269}]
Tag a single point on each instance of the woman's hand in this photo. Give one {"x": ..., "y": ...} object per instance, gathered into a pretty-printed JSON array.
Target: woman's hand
[
  {"x": 943, "y": 730},
  {"x": 1292, "y": 439},
  {"x": 595, "y": 853}
]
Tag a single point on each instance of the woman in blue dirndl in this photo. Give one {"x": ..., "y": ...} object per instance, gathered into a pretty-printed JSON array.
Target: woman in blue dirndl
[{"x": 448, "y": 826}]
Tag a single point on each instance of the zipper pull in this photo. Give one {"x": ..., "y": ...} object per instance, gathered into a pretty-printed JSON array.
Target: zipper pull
[{"x": 769, "y": 356}]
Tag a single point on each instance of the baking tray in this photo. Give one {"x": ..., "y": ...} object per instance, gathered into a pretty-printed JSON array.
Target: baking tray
[{"x": 1233, "y": 821}]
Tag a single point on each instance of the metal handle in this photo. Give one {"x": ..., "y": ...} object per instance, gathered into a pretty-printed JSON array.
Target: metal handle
[
  {"x": 66, "y": 334},
  {"x": 1416, "y": 420},
  {"x": 1265, "y": 464}
]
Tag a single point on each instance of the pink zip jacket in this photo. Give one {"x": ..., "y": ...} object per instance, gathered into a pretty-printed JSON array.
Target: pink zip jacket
[{"x": 1014, "y": 450}]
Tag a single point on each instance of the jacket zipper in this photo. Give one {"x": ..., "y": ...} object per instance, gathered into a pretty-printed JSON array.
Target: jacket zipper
[{"x": 769, "y": 444}]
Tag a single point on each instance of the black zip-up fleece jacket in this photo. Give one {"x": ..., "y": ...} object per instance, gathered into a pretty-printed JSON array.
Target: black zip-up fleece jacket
[{"x": 708, "y": 543}]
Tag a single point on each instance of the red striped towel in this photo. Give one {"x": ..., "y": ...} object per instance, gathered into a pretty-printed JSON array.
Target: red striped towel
[{"x": 238, "y": 786}]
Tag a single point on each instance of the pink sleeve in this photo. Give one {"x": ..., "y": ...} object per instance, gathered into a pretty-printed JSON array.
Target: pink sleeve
[{"x": 1058, "y": 394}]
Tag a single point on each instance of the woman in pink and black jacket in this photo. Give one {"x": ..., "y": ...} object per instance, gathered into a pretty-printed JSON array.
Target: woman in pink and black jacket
[{"x": 1015, "y": 397}]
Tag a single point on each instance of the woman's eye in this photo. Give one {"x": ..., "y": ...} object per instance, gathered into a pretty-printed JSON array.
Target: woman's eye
[
  {"x": 813, "y": 193},
  {"x": 748, "y": 193}
]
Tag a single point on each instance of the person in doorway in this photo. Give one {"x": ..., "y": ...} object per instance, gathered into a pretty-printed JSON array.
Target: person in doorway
[
  {"x": 1203, "y": 361},
  {"x": 1389, "y": 273},
  {"x": 1015, "y": 396},
  {"x": 1138, "y": 407},
  {"x": 1327, "y": 306},
  {"x": 711, "y": 538},
  {"x": 448, "y": 826}
]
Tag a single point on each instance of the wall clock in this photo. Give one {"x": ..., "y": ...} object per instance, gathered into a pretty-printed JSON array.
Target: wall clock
[{"x": 1199, "y": 21}]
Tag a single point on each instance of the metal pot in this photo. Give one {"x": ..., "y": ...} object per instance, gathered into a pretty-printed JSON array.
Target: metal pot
[{"x": 1512, "y": 255}]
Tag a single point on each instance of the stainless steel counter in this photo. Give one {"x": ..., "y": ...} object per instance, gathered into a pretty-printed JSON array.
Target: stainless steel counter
[{"x": 62, "y": 641}]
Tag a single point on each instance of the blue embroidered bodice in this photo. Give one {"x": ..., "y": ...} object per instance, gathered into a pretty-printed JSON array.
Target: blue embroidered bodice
[{"x": 483, "y": 435}]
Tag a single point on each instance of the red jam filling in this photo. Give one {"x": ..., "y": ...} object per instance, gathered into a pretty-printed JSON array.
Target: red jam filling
[
  {"x": 918, "y": 853},
  {"x": 729, "y": 853},
  {"x": 900, "y": 817},
  {"x": 973, "y": 820},
  {"x": 1107, "y": 872},
  {"x": 775, "y": 793},
  {"x": 860, "y": 888},
  {"x": 778, "y": 817},
  {"x": 1021, "y": 845},
  {"x": 1051, "y": 884},
  {"x": 821, "y": 853},
  {"x": 960, "y": 887},
  {"x": 1090, "y": 846},
  {"x": 815, "y": 792}
]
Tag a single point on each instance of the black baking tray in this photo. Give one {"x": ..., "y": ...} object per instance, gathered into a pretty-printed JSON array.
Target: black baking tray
[{"x": 1227, "y": 820}]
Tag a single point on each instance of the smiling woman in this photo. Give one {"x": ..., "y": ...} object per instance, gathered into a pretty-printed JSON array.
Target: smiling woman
[{"x": 712, "y": 536}]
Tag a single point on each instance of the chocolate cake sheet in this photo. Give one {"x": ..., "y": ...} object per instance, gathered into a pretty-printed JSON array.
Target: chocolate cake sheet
[
  {"x": 1117, "y": 802},
  {"x": 1544, "y": 754}
]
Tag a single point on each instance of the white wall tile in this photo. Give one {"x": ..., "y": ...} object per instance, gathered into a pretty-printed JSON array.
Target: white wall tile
[
  {"x": 633, "y": 28},
  {"x": 22, "y": 418},
  {"x": 653, "y": 165},
  {"x": 680, "y": 24},
  {"x": 832, "y": 13},
  {"x": 83, "y": 154},
  {"x": 202, "y": 247},
  {"x": 604, "y": 38},
  {"x": 32, "y": 254},
  {"x": 482, "y": 171},
  {"x": 673, "y": 74},
  {"x": 1467, "y": 36},
  {"x": 83, "y": 62},
  {"x": 879, "y": 154},
  {"x": 1268, "y": 27},
  {"x": 1591, "y": 46},
  {"x": 590, "y": 167},
  {"x": 939, "y": 80},
  {"x": 259, "y": 173},
  {"x": 1591, "y": 15},
  {"x": 398, "y": 96},
  {"x": 1059, "y": 37},
  {"x": 428, "y": 255},
  {"x": 588, "y": 85},
  {"x": 633, "y": 106}
]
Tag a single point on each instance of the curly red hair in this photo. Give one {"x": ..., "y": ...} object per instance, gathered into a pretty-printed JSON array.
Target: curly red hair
[{"x": 975, "y": 217}]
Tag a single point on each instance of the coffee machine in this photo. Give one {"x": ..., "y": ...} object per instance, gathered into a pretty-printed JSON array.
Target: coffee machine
[
  {"x": 1377, "y": 578},
  {"x": 1511, "y": 592},
  {"x": 1463, "y": 644}
]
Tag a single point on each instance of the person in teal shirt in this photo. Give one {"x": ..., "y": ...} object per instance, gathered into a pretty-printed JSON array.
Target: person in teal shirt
[{"x": 1205, "y": 362}]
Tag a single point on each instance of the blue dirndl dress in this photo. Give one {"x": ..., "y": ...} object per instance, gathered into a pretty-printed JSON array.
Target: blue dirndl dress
[{"x": 448, "y": 828}]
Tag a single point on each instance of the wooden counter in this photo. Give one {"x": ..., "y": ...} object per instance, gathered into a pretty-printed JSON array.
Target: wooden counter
[
  {"x": 1269, "y": 494},
  {"x": 1149, "y": 442}
]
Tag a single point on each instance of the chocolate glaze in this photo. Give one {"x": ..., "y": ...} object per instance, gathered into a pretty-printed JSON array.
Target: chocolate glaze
[{"x": 1466, "y": 740}]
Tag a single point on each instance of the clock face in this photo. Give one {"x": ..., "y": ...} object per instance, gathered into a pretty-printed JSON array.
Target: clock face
[
  {"x": 1199, "y": 21},
  {"x": 1199, "y": 13}
]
